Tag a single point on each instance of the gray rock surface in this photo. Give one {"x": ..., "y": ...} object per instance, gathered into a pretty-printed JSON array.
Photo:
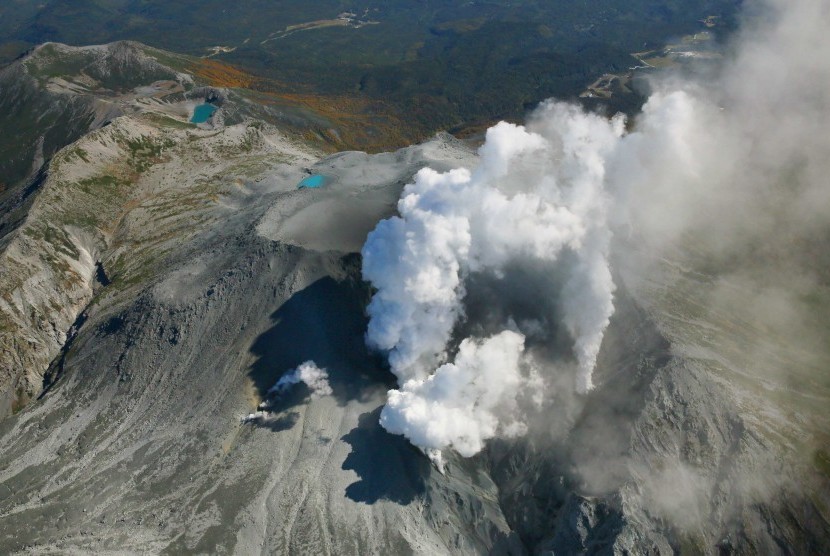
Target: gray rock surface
[
  {"x": 139, "y": 445},
  {"x": 201, "y": 274}
]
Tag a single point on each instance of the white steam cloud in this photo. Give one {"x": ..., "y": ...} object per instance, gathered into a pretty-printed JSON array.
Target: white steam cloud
[
  {"x": 457, "y": 405},
  {"x": 535, "y": 195},
  {"x": 707, "y": 159},
  {"x": 308, "y": 373}
]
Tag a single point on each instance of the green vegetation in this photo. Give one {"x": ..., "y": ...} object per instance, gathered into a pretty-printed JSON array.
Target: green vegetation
[
  {"x": 165, "y": 121},
  {"x": 82, "y": 154},
  {"x": 97, "y": 184},
  {"x": 438, "y": 64},
  {"x": 58, "y": 238},
  {"x": 53, "y": 64},
  {"x": 146, "y": 151}
]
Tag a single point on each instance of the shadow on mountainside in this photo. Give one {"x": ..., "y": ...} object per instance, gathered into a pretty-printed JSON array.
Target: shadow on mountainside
[
  {"x": 388, "y": 466},
  {"x": 324, "y": 323}
]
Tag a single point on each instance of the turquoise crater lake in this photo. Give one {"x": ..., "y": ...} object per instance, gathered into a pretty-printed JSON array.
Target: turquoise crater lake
[
  {"x": 312, "y": 182},
  {"x": 202, "y": 113}
]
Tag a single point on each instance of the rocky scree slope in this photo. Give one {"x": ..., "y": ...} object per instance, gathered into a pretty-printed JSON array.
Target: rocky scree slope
[
  {"x": 55, "y": 95},
  {"x": 108, "y": 210},
  {"x": 139, "y": 443}
]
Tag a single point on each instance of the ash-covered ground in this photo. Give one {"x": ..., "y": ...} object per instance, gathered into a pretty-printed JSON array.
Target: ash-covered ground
[{"x": 600, "y": 337}]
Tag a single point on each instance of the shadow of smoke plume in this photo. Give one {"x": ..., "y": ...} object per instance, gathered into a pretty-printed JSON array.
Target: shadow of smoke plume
[
  {"x": 323, "y": 323},
  {"x": 388, "y": 467},
  {"x": 278, "y": 422}
]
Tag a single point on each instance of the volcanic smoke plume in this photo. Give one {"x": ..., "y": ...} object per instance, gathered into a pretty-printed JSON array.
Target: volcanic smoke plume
[
  {"x": 535, "y": 195},
  {"x": 739, "y": 163},
  {"x": 315, "y": 378}
]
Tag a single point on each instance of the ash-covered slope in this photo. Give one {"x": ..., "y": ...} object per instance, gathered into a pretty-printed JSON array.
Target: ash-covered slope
[
  {"x": 219, "y": 275},
  {"x": 112, "y": 205},
  {"x": 138, "y": 443},
  {"x": 60, "y": 219},
  {"x": 681, "y": 448}
]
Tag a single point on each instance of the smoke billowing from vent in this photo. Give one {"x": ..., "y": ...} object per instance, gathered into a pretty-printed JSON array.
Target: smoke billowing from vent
[
  {"x": 536, "y": 195},
  {"x": 308, "y": 373},
  {"x": 458, "y": 405},
  {"x": 704, "y": 158}
]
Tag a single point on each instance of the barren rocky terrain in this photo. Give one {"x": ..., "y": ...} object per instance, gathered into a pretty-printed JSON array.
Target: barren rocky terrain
[{"x": 162, "y": 276}]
